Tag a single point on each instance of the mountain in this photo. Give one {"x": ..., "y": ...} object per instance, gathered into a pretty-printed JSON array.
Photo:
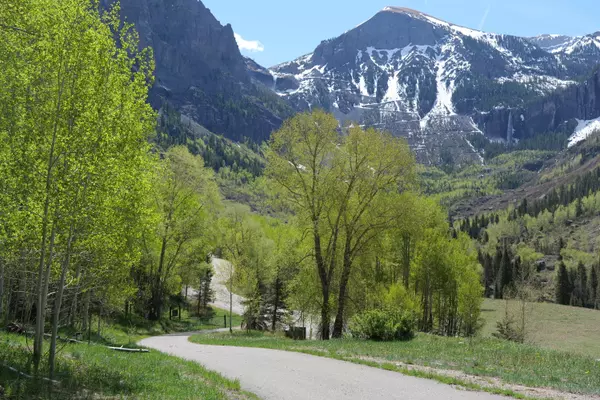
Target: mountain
[
  {"x": 578, "y": 52},
  {"x": 428, "y": 80},
  {"x": 551, "y": 42},
  {"x": 200, "y": 71}
]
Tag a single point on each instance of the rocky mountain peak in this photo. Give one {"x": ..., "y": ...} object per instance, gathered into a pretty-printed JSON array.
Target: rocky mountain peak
[
  {"x": 422, "y": 78},
  {"x": 401, "y": 10}
]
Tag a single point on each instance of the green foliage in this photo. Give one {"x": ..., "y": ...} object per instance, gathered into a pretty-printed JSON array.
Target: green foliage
[
  {"x": 551, "y": 141},
  {"x": 73, "y": 102},
  {"x": 205, "y": 295},
  {"x": 506, "y": 330},
  {"x": 343, "y": 191},
  {"x": 447, "y": 276},
  {"x": 503, "y": 171},
  {"x": 398, "y": 297},
  {"x": 383, "y": 325},
  {"x": 185, "y": 201},
  {"x": 242, "y": 160}
]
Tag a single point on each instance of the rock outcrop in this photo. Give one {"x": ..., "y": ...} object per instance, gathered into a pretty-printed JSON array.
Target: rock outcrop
[
  {"x": 200, "y": 71},
  {"x": 556, "y": 112}
]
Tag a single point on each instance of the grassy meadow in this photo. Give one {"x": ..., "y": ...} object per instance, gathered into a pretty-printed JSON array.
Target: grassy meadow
[
  {"x": 96, "y": 372},
  {"x": 552, "y": 326},
  {"x": 563, "y": 355}
]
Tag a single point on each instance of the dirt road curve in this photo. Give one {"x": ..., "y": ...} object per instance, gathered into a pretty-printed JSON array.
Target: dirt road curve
[{"x": 280, "y": 375}]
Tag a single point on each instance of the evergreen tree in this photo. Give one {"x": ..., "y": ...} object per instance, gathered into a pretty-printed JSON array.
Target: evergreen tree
[
  {"x": 579, "y": 208},
  {"x": 255, "y": 312},
  {"x": 517, "y": 270},
  {"x": 523, "y": 207},
  {"x": 205, "y": 295},
  {"x": 582, "y": 285},
  {"x": 593, "y": 287},
  {"x": 561, "y": 245},
  {"x": 562, "y": 287},
  {"x": 504, "y": 276},
  {"x": 573, "y": 278},
  {"x": 275, "y": 302},
  {"x": 488, "y": 275}
]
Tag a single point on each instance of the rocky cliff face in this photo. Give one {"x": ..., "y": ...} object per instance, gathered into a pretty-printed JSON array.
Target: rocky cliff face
[
  {"x": 556, "y": 112},
  {"x": 200, "y": 71}
]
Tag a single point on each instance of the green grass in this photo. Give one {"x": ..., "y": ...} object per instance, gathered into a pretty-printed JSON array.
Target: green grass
[
  {"x": 552, "y": 326},
  {"x": 513, "y": 363},
  {"x": 130, "y": 330},
  {"x": 93, "y": 371}
]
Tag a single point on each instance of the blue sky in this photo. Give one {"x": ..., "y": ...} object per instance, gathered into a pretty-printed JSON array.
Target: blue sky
[{"x": 274, "y": 31}]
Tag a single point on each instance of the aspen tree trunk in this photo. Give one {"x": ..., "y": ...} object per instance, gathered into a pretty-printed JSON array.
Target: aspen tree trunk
[
  {"x": 58, "y": 304},
  {"x": 73, "y": 310},
  {"x": 86, "y": 312},
  {"x": 7, "y": 314},
  {"x": 43, "y": 275},
  {"x": 42, "y": 286}
]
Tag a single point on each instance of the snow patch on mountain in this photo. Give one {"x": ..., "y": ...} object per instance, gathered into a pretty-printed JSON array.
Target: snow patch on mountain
[
  {"x": 481, "y": 159},
  {"x": 580, "y": 43},
  {"x": 561, "y": 45},
  {"x": 583, "y": 130},
  {"x": 543, "y": 84}
]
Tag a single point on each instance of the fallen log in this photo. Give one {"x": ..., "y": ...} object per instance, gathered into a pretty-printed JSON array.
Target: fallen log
[{"x": 129, "y": 350}]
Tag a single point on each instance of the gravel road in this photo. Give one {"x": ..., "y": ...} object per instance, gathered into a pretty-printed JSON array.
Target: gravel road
[
  {"x": 281, "y": 375},
  {"x": 222, "y": 270}
]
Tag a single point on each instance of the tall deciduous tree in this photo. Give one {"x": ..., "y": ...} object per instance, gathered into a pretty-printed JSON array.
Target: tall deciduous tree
[
  {"x": 375, "y": 168},
  {"x": 301, "y": 162},
  {"x": 186, "y": 198},
  {"x": 341, "y": 187},
  {"x": 76, "y": 122}
]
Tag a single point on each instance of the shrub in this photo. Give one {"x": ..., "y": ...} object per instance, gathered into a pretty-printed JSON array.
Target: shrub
[
  {"x": 506, "y": 330},
  {"x": 383, "y": 325}
]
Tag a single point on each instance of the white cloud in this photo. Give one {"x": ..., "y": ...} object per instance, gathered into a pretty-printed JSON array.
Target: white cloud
[
  {"x": 248, "y": 45},
  {"x": 485, "y": 15}
]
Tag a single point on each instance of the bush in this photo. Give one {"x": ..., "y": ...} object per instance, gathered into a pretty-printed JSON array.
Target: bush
[
  {"x": 506, "y": 330},
  {"x": 383, "y": 325}
]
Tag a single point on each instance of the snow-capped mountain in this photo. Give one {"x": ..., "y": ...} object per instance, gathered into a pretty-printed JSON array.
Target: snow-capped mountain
[
  {"x": 551, "y": 43},
  {"x": 577, "y": 53},
  {"x": 559, "y": 44},
  {"x": 423, "y": 78}
]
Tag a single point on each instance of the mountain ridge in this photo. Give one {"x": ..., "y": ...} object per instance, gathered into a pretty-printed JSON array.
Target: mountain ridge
[{"x": 425, "y": 79}]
